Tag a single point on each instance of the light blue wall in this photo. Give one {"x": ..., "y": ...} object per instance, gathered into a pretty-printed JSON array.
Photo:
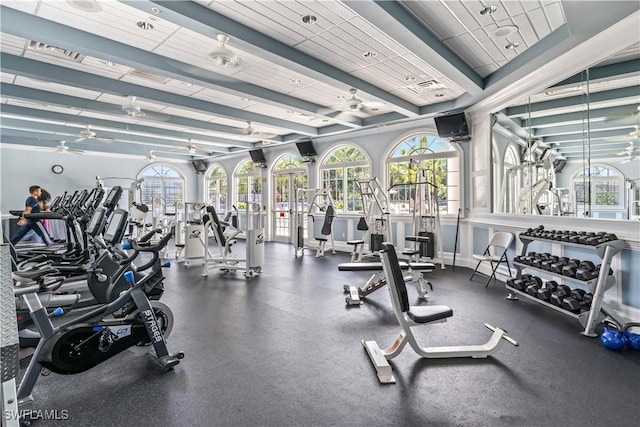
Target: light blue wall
[
  {"x": 21, "y": 169},
  {"x": 631, "y": 278},
  {"x": 480, "y": 240}
]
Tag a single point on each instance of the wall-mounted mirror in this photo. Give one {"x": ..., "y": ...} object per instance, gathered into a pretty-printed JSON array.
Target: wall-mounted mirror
[{"x": 573, "y": 149}]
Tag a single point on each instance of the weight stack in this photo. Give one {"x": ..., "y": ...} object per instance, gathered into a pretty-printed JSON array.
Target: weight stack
[
  {"x": 427, "y": 250},
  {"x": 9, "y": 348},
  {"x": 376, "y": 242}
]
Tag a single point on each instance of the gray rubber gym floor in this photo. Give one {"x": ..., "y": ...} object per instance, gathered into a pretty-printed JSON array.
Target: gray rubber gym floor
[{"x": 283, "y": 349}]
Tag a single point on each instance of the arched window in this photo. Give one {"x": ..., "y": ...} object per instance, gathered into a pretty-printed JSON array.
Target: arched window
[
  {"x": 248, "y": 184},
  {"x": 216, "y": 187},
  {"x": 598, "y": 188},
  {"x": 339, "y": 172},
  {"x": 289, "y": 161},
  {"x": 162, "y": 181},
  {"x": 435, "y": 154}
]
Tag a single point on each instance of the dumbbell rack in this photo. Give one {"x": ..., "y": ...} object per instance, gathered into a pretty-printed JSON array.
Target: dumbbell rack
[{"x": 588, "y": 319}]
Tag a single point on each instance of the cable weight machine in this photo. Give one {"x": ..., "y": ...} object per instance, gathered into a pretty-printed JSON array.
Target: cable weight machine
[
  {"x": 376, "y": 221},
  {"x": 426, "y": 229},
  {"x": 321, "y": 202}
]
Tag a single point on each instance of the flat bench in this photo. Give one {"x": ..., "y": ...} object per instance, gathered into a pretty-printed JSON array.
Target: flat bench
[
  {"x": 356, "y": 294},
  {"x": 377, "y": 266}
]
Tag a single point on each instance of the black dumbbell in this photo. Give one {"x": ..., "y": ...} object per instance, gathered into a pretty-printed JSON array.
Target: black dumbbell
[
  {"x": 595, "y": 240},
  {"x": 545, "y": 292},
  {"x": 547, "y": 263},
  {"x": 569, "y": 270},
  {"x": 600, "y": 265},
  {"x": 537, "y": 261},
  {"x": 568, "y": 236},
  {"x": 584, "y": 238},
  {"x": 572, "y": 302},
  {"x": 534, "y": 284},
  {"x": 586, "y": 271},
  {"x": 529, "y": 258},
  {"x": 556, "y": 267},
  {"x": 587, "y": 299},
  {"x": 610, "y": 237},
  {"x": 562, "y": 292},
  {"x": 575, "y": 238}
]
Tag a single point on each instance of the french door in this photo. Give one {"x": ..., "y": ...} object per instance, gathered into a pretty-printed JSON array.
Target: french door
[{"x": 285, "y": 185}]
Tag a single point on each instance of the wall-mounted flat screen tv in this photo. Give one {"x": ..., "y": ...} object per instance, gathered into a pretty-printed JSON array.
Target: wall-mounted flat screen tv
[
  {"x": 306, "y": 149},
  {"x": 200, "y": 166},
  {"x": 257, "y": 156},
  {"x": 453, "y": 127}
]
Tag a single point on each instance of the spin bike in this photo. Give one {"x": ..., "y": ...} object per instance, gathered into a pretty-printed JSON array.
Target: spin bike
[{"x": 96, "y": 336}]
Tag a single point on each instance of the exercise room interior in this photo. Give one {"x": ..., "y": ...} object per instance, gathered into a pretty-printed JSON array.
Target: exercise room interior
[{"x": 320, "y": 212}]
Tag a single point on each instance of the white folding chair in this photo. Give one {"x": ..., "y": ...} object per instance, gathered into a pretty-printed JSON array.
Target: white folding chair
[{"x": 495, "y": 253}]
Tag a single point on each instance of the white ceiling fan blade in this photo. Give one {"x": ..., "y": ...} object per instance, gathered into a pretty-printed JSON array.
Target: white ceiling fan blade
[
  {"x": 623, "y": 138},
  {"x": 80, "y": 152},
  {"x": 103, "y": 139},
  {"x": 346, "y": 116},
  {"x": 82, "y": 138},
  {"x": 326, "y": 111}
]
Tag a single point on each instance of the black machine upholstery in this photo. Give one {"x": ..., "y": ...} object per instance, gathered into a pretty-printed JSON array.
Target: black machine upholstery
[
  {"x": 328, "y": 220},
  {"x": 419, "y": 314},
  {"x": 211, "y": 212}
]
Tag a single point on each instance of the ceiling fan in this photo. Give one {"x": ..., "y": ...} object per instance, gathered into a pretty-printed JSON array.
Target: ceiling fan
[
  {"x": 346, "y": 111},
  {"x": 63, "y": 148},
  {"x": 193, "y": 149},
  {"x": 632, "y": 148},
  {"x": 88, "y": 134},
  {"x": 131, "y": 108},
  {"x": 251, "y": 131},
  {"x": 629, "y": 158},
  {"x": 151, "y": 157},
  {"x": 222, "y": 55},
  {"x": 631, "y": 136}
]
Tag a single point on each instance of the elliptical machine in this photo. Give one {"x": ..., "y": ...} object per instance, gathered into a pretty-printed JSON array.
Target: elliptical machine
[{"x": 96, "y": 336}]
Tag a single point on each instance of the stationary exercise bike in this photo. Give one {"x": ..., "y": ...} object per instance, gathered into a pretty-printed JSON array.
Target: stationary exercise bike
[
  {"x": 94, "y": 337},
  {"x": 105, "y": 279}
]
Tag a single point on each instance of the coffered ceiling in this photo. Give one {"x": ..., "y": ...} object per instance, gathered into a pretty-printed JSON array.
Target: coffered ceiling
[{"x": 192, "y": 79}]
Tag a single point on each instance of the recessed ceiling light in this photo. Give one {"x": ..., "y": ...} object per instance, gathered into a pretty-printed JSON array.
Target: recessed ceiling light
[
  {"x": 290, "y": 112},
  {"x": 370, "y": 54},
  {"x": 295, "y": 81},
  {"x": 144, "y": 25},
  {"x": 108, "y": 63},
  {"x": 341, "y": 96},
  {"x": 512, "y": 45},
  {"x": 309, "y": 19},
  {"x": 409, "y": 78},
  {"x": 439, "y": 95},
  {"x": 245, "y": 99},
  {"x": 155, "y": 10},
  {"x": 503, "y": 31},
  {"x": 91, "y": 6},
  {"x": 187, "y": 84},
  {"x": 488, "y": 10}
]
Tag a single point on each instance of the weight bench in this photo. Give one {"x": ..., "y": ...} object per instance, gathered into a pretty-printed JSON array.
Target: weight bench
[
  {"x": 356, "y": 253},
  {"x": 409, "y": 316},
  {"x": 416, "y": 269}
]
